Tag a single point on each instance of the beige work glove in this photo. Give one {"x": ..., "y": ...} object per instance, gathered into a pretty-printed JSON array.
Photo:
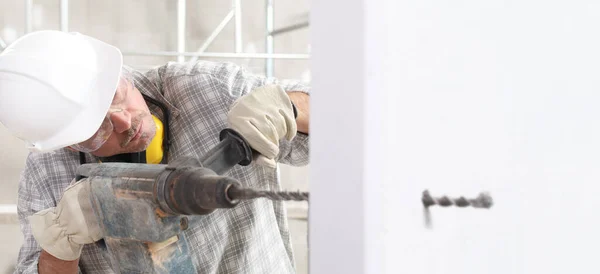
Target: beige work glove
[
  {"x": 263, "y": 117},
  {"x": 63, "y": 230}
]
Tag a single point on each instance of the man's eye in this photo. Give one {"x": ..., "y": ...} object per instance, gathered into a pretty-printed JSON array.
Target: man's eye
[
  {"x": 121, "y": 93},
  {"x": 118, "y": 99}
]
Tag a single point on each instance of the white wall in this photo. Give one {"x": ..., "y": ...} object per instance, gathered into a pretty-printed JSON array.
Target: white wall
[
  {"x": 347, "y": 151},
  {"x": 498, "y": 96},
  {"x": 503, "y": 97}
]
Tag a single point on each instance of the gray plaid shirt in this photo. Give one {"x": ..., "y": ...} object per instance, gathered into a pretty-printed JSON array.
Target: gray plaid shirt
[{"x": 250, "y": 238}]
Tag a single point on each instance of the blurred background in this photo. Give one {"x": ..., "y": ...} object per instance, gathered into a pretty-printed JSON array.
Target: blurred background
[{"x": 268, "y": 37}]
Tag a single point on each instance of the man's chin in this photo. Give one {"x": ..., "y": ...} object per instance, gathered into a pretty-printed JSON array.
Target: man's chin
[{"x": 139, "y": 147}]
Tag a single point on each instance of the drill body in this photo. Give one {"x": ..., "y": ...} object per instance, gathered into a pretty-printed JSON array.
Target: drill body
[{"x": 143, "y": 209}]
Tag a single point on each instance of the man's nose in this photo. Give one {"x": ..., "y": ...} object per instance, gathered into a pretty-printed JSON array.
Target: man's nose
[{"x": 121, "y": 120}]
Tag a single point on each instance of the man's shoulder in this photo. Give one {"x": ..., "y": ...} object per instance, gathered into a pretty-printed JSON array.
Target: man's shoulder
[
  {"x": 209, "y": 68},
  {"x": 58, "y": 161},
  {"x": 206, "y": 78},
  {"x": 55, "y": 155},
  {"x": 47, "y": 174}
]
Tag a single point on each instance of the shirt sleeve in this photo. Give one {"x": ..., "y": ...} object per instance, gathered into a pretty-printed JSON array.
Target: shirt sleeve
[
  {"x": 35, "y": 193},
  {"x": 29, "y": 202}
]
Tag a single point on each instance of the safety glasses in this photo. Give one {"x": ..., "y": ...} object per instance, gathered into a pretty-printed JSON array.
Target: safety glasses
[{"x": 118, "y": 104}]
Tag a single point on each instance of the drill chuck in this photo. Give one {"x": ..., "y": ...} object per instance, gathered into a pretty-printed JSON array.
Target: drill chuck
[{"x": 195, "y": 191}]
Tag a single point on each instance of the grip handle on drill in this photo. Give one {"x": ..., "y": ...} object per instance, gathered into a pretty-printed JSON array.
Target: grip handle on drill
[{"x": 229, "y": 152}]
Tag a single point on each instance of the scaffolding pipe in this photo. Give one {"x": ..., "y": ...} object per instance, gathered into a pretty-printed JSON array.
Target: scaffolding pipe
[
  {"x": 238, "y": 25},
  {"x": 28, "y": 16},
  {"x": 269, "y": 40},
  {"x": 181, "y": 29},
  {"x": 64, "y": 15},
  {"x": 2, "y": 44},
  {"x": 220, "y": 55},
  {"x": 8, "y": 214},
  {"x": 215, "y": 33},
  {"x": 290, "y": 28}
]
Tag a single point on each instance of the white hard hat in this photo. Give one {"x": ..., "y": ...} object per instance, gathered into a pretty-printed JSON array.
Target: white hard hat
[{"x": 56, "y": 87}]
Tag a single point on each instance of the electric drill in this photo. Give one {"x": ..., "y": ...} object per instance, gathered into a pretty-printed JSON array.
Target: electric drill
[{"x": 143, "y": 208}]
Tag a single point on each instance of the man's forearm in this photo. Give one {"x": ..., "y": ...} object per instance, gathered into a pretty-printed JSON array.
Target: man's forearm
[
  {"x": 301, "y": 101},
  {"x": 48, "y": 264}
]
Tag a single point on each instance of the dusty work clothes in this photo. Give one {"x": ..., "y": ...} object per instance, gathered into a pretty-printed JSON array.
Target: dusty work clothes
[{"x": 250, "y": 238}]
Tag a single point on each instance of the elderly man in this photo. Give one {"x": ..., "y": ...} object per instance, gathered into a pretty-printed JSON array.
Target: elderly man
[{"x": 69, "y": 97}]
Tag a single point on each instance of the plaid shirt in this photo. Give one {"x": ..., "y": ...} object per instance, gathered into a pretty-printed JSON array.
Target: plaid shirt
[{"x": 250, "y": 238}]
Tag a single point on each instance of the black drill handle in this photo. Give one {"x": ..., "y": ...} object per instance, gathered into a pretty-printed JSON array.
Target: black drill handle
[{"x": 231, "y": 151}]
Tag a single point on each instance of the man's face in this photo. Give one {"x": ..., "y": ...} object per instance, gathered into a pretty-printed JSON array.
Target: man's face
[{"x": 133, "y": 126}]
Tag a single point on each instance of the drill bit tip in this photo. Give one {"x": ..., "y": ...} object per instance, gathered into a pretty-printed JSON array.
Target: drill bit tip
[{"x": 483, "y": 200}]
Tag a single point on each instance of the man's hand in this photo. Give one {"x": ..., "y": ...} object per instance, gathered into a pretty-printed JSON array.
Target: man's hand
[
  {"x": 263, "y": 117},
  {"x": 48, "y": 264},
  {"x": 63, "y": 230},
  {"x": 301, "y": 102}
]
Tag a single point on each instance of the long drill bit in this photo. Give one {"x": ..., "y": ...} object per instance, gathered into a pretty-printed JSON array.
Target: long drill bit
[
  {"x": 484, "y": 200},
  {"x": 236, "y": 193}
]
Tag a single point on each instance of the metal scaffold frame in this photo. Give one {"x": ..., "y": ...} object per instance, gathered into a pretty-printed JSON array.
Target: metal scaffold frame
[{"x": 234, "y": 14}]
